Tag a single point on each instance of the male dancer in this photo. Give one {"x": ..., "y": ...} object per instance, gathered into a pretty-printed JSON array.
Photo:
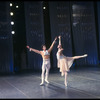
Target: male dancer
[{"x": 46, "y": 60}]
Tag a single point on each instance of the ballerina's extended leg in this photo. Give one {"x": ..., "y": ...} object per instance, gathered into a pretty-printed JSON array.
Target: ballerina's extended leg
[{"x": 77, "y": 57}]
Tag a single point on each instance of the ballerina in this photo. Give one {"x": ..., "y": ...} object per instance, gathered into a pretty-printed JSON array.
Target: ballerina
[
  {"x": 46, "y": 60},
  {"x": 63, "y": 62}
]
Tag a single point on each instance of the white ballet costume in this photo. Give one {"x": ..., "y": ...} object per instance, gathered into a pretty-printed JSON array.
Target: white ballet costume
[
  {"x": 45, "y": 66},
  {"x": 63, "y": 62}
]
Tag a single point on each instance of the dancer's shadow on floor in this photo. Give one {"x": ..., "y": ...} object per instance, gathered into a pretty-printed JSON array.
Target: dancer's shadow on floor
[{"x": 54, "y": 87}]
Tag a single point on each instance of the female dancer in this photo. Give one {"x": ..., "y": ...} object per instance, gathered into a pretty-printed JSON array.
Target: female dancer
[
  {"x": 64, "y": 63},
  {"x": 46, "y": 60}
]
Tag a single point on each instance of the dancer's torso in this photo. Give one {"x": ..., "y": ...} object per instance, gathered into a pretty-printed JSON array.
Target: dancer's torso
[
  {"x": 59, "y": 54},
  {"x": 45, "y": 54}
]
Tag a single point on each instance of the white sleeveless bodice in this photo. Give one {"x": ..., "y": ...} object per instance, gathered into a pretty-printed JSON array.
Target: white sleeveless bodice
[
  {"x": 46, "y": 53},
  {"x": 59, "y": 56}
]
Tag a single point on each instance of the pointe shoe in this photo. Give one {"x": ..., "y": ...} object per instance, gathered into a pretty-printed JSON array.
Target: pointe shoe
[
  {"x": 41, "y": 84},
  {"x": 66, "y": 84},
  {"x": 62, "y": 74},
  {"x": 47, "y": 81},
  {"x": 85, "y": 55}
]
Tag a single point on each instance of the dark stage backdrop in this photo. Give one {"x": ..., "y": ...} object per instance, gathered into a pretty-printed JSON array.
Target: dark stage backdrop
[
  {"x": 60, "y": 25},
  {"x": 84, "y": 32},
  {"x": 98, "y": 24},
  {"x": 34, "y": 32},
  {"x": 6, "y": 52},
  {"x": 75, "y": 21}
]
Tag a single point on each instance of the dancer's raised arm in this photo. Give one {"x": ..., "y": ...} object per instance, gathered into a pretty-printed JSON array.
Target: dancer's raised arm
[
  {"x": 60, "y": 46},
  {"x": 59, "y": 40},
  {"x": 34, "y": 50},
  {"x": 51, "y": 47}
]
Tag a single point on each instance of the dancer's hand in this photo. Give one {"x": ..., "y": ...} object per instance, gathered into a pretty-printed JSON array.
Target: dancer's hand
[
  {"x": 55, "y": 38},
  {"x": 27, "y": 47},
  {"x": 59, "y": 37}
]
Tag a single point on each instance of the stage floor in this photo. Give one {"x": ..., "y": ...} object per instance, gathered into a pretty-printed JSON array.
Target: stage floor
[{"x": 83, "y": 83}]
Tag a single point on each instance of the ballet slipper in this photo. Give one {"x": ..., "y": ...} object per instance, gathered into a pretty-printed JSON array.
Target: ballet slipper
[
  {"x": 46, "y": 81},
  {"x": 41, "y": 84}
]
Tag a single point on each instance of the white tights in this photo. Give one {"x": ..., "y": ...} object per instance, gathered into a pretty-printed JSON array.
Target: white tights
[
  {"x": 65, "y": 78},
  {"x": 45, "y": 66}
]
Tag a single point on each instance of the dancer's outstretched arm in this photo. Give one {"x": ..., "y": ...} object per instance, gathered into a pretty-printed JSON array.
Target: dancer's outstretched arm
[
  {"x": 51, "y": 47},
  {"x": 77, "y": 57},
  {"x": 34, "y": 50}
]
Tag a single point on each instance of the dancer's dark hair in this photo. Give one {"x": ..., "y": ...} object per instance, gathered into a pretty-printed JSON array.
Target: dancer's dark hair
[{"x": 43, "y": 45}]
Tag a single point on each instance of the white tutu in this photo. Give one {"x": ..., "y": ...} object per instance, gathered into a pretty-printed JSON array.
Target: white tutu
[{"x": 64, "y": 63}]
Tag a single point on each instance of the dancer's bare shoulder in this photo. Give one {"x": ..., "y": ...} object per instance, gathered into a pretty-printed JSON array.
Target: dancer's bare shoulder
[{"x": 41, "y": 52}]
